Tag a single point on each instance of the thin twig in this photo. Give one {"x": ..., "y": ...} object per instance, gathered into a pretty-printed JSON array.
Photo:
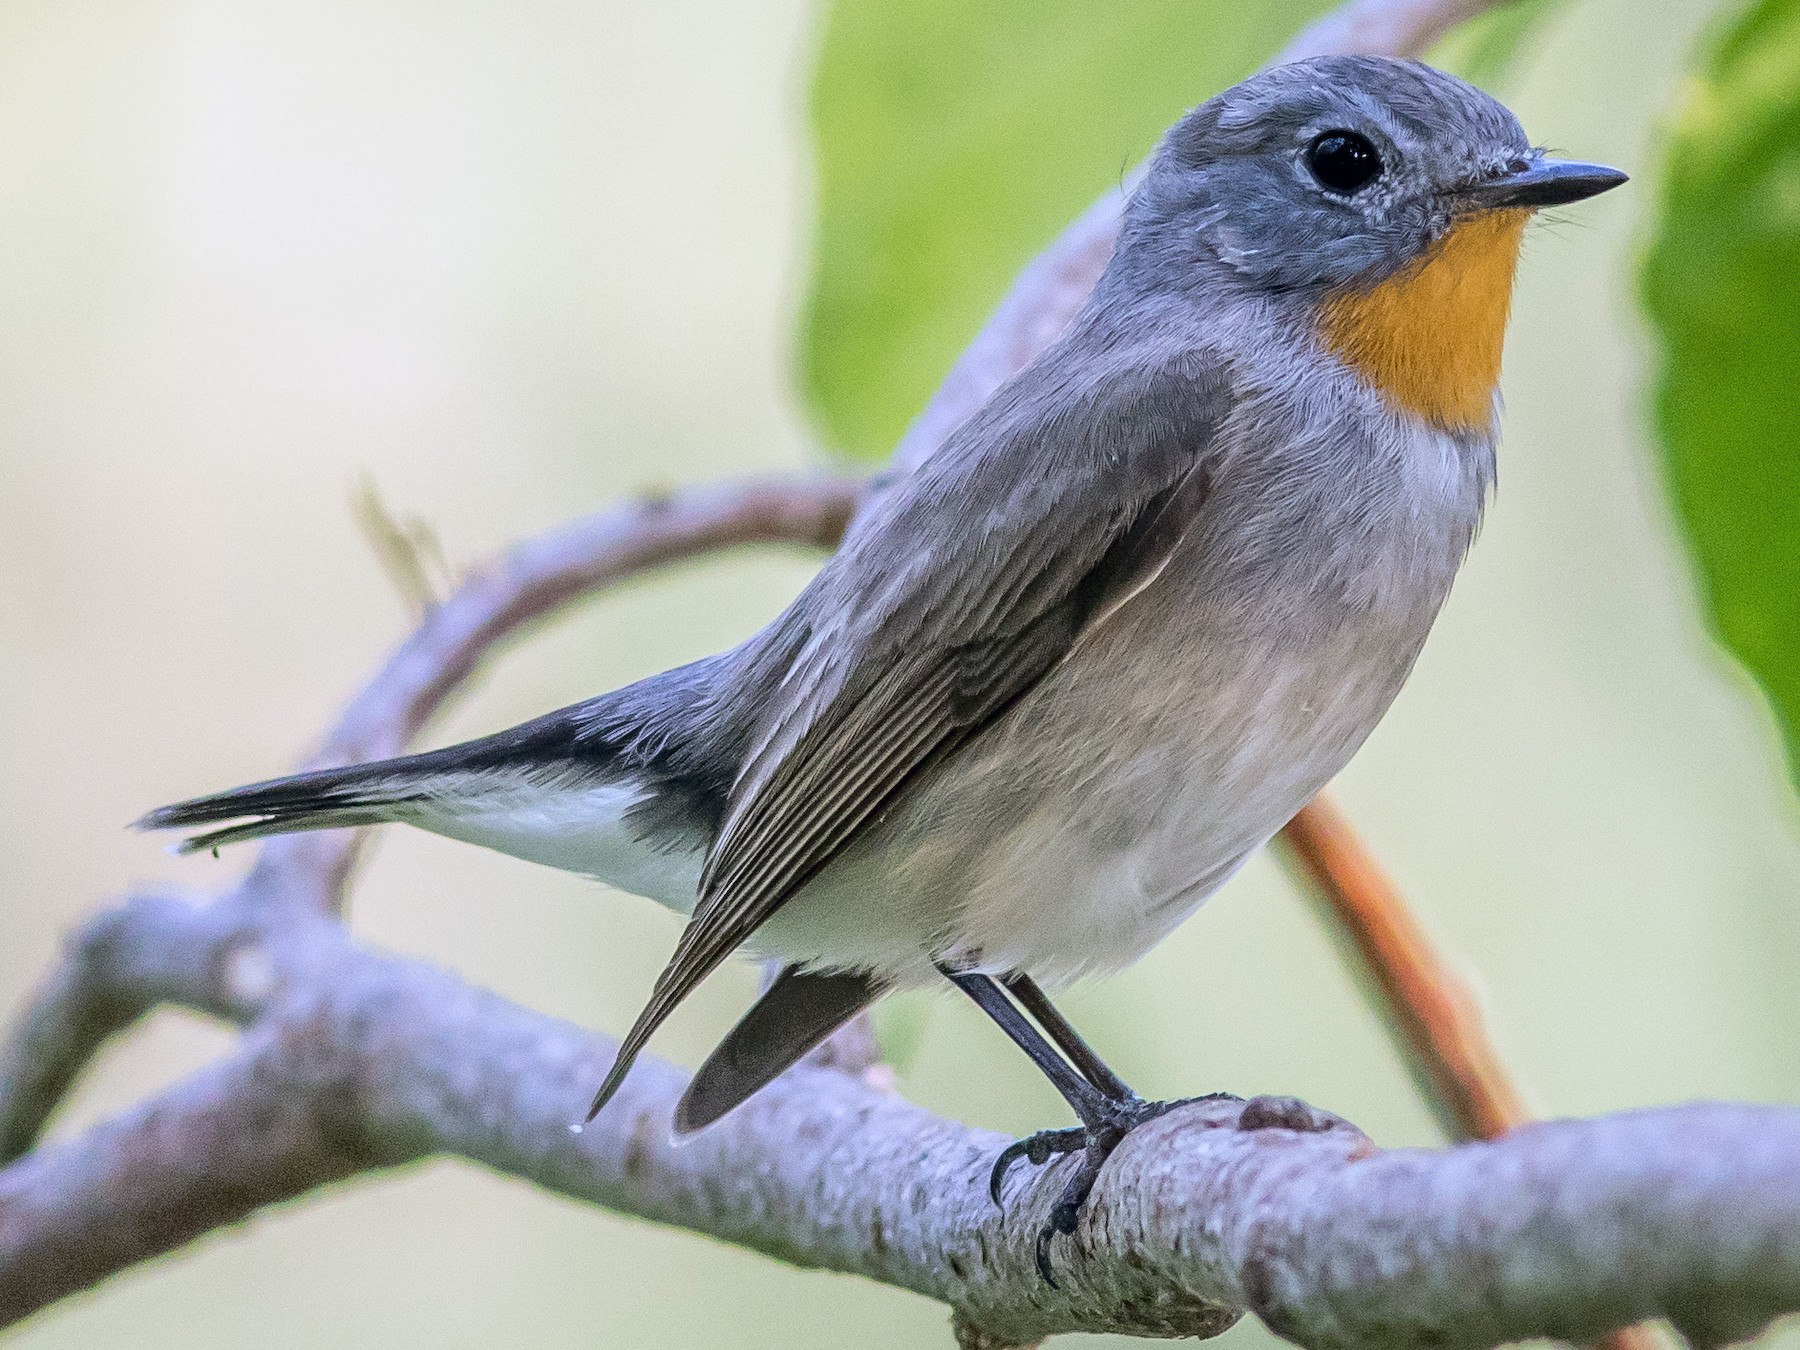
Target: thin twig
[
  {"x": 73, "y": 1013},
  {"x": 1432, "y": 1013},
  {"x": 1443, "y": 1039},
  {"x": 409, "y": 551}
]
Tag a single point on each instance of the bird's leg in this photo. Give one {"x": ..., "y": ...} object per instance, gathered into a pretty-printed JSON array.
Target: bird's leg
[
  {"x": 1109, "y": 1110},
  {"x": 1088, "y": 1099},
  {"x": 1068, "y": 1040}
]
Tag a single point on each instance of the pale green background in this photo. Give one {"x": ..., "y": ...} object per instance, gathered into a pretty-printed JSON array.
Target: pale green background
[{"x": 518, "y": 259}]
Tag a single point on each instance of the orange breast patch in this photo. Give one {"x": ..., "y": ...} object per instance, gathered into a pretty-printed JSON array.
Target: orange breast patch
[{"x": 1429, "y": 338}]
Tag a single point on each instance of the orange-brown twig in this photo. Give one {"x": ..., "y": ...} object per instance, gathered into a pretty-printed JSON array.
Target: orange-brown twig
[{"x": 1429, "y": 1009}]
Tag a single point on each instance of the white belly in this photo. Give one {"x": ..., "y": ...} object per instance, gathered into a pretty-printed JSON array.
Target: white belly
[{"x": 1101, "y": 816}]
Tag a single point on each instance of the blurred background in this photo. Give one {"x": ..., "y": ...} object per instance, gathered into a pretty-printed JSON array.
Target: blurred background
[{"x": 509, "y": 262}]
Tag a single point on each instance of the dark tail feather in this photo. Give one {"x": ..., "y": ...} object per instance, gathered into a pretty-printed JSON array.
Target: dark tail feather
[
  {"x": 322, "y": 800},
  {"x": 798, "y": 1011}
]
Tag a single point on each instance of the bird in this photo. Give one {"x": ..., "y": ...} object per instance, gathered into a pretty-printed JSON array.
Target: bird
[{"x": 1059, "y": 681}]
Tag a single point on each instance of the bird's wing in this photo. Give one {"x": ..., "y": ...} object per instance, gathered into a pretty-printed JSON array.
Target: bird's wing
[{"x": 963, "y": 587}]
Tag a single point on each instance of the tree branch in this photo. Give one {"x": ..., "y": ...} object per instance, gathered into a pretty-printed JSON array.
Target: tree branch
[
  {"x": 101, "y": 986},
  {"x": 1383, "y": 27},
  {"x": 89, "y": 997},
  {"x": 374, "y": 1060},
  {"x": 240, "y": 1135},
  {"x": 1430, "y": 1011}
]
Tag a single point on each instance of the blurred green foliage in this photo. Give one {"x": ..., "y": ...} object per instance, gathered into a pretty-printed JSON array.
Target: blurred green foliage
[
  {"x": 954, "y": 140},
  {"x": 1721, "y": 283}
]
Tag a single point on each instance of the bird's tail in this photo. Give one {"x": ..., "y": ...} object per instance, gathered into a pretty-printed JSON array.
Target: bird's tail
[
  {"x": 326, "y": 799},
  {"x": 611, "y": 788}
]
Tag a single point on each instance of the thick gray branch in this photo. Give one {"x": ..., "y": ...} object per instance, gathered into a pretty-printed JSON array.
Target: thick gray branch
[
  {"x": 366, "y": 1060},
  {"x": 244, "y": 1133},
  {"x": 118, "y": 967}
]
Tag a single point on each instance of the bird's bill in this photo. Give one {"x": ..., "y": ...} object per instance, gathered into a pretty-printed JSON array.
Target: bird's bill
[{"x": 1544, "y": 182}]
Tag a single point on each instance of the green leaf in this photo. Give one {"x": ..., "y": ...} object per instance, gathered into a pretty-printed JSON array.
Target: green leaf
[
  {"x": 1721, "y": 282},
  {"x": 955, "y": 140}
]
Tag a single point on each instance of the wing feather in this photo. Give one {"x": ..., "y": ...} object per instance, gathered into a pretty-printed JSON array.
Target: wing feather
[{"x": 970, "y": 581}]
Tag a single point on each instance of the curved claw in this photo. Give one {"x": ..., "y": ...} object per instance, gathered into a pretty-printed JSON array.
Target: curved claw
[
  {"x": 1037, "y": 1149},
  {"x": 1096, "y": 1141},
  {"x": 1065, "y": 1214},
  {"x": 1043, "y": 1256},
  {"x": 1003, "y": 1164}
]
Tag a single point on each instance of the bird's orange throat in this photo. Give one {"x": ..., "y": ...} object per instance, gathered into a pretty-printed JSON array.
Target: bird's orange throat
[{"x": 1428, "y": 339}]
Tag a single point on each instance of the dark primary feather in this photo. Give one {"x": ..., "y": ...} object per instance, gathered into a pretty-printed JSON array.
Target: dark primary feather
[
  {"x": 662, "y": 730},
  {"x": 799, "y": 1010},
  {"x": 322, "y": 799},
  {"x": 965, "y": 585}
]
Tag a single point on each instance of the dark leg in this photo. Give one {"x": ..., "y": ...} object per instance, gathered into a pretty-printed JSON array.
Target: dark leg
[
  {"x": 1082, "y": 1094},
  {"x": 1109, "y": 1110},
  {"x": 1068, "y": 1040}
]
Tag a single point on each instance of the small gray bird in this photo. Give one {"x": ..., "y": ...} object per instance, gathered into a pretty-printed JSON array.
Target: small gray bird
[{"x": 1060, "y": 681}]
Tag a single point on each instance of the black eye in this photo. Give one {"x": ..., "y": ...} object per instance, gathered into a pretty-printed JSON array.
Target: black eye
[{"x": 1343, "y": 161}]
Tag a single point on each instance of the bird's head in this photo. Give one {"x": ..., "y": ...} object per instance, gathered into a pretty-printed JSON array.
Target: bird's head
[{"x": 1382, "y": 199}]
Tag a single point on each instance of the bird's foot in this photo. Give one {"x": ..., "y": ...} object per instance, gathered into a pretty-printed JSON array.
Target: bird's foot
[{"x": 1095, "y": 1140}]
